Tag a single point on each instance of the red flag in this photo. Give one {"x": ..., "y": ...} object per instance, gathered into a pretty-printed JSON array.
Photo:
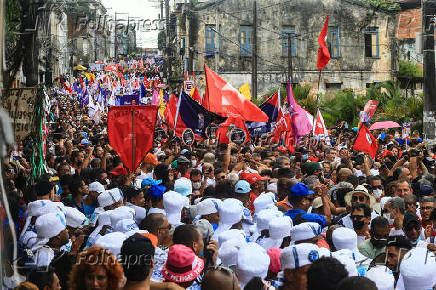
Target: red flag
[
  {"x": 196, "y": 96},
  {"x": 124, "y": 139},
  {"x": 221, "y": 98},
  {"x": 171, "y": 111},
  {"x": 222, "y": 131},
  {"x": 365, "y": 142},
  {"x": 320, "y": 128},
  {"x": 323, "y": 51}
]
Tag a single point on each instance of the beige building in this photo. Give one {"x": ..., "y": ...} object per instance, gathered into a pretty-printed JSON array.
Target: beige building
[{"x": 219, "y": 33}]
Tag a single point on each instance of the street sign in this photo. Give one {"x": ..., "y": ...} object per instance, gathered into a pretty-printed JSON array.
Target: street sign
[{"x": 188, "y": 86}]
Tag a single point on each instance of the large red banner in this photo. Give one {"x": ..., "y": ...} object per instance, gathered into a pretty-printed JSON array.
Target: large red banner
[{"x": 131, "y": 132}]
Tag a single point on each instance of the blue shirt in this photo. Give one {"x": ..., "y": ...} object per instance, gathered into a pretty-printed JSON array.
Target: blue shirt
[{"x": 310, "y": 217}]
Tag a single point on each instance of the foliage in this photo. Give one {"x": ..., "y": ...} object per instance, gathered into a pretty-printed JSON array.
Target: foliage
[
  {"x": 301, "y": 92},
  {"x": 384, "y": 5},
  {"x": 394, "y": 104},
  {"x": 342, "y": 107},
  {"x": 410, "y": 70}
]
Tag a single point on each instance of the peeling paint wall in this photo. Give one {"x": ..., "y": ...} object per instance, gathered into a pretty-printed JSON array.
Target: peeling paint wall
[{"x": 351, "y": 69}]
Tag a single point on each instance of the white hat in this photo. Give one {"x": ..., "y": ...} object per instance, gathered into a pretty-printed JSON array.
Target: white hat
[
  {"x": 121, "y": 213},
  {"x": 297, "y": 256},
  {"x": 360, "y": 189},
  {"x": 384, "y": 200},
  {"x": 38, "y": 208},
  {"x": 97, "y": 187},
  {"x": 104, "y": 219},
  {"x": 418, "y": 269},
  {"x": 74, "y": 217},
  {"x": 208, "y": 206},
  {"x": 344, "y": 238},
  {"x": 264, "y": 201},
  {"x": 231, "y": 212},
  {"x": 345, "y": 256},
  {"x": 173, "y": 203},
  {"x": 279, "y": 228},
  {"x": 140, "y": 212},
  {"x": 264, "y": 216},
  {"x": 50, "y": 225},
  {"x": 28, "y": 239},
  {"x": 253, "y": 261},
  {"x": 228, "y": 251},
  {"x": 232, "y": 234},
  {"x": 382, "y": 277},
  {"x": 183, "y": 186},
  {"x": 126, "y": 225},
  {"x": 112, "y": 242},
  {"x": 272, "y": 187},
  {"x": 305, "y": 231},
  {"x": 109, "y": 197}
]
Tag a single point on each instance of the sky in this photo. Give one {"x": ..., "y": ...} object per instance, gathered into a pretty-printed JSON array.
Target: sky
[{"x": 144, "y": 11}]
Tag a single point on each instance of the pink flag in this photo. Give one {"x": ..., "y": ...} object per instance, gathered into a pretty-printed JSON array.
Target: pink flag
[
  {"x": 155, "y": 99},
  {"x": 300, "y": 118}
]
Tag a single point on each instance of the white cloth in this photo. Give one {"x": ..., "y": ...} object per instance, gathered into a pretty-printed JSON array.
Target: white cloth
[{"x": 160, "y": 258}]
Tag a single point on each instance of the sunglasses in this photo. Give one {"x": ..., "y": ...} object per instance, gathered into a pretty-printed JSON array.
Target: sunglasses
[{"x": 358, "y": 198}]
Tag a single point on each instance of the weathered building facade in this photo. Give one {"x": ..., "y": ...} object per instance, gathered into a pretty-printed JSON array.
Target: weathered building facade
[{"x": 219, "y": 33}]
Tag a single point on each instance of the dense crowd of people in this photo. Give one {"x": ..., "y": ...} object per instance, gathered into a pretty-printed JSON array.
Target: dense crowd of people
[{"x": 220, "y": 216}]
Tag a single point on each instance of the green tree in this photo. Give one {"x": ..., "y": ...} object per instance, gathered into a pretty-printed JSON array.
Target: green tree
[{"x": 409, "y": 70}]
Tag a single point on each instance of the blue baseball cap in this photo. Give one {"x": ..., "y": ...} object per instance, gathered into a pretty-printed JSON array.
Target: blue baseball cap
[
  {"x": 242, "y": 187},
  {"x": 150, "y": 181},
  {"x": 300, "y": 189}
]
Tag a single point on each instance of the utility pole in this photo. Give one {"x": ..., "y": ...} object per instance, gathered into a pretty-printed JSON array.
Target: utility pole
[
  {"x": 254, "y": 54},
  {"x": 115, "y": 37},
  {"x": 161, "y": 9},
  {"x": 217, "y": 34},
  {"x": 428, "y": 23},
  {"x": 167, "y": 39}
]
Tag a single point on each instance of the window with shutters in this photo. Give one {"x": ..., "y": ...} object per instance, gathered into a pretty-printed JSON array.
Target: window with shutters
[
  {"x": 372, "y": 45},
  {"x": 209, "y": 40},
  {"x": 245, "y": 40},
  {"x": 333, "y": 41}
]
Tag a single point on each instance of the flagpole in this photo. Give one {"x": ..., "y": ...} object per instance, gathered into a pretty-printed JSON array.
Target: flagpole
[
  {"x": 315, "y": 116},
  {"x": 177, "y": 111},
  {"x": 133, "y": 139}
]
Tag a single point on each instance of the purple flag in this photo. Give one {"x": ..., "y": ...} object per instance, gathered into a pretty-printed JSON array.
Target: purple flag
[{"x": 300, "y": 118}]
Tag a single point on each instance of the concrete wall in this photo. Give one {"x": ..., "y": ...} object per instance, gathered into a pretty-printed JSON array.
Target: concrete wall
[{"x": 352, "y": 68}]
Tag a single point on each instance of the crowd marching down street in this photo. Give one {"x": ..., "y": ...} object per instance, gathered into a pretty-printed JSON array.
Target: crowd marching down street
[{"x": 147, "y": 188}]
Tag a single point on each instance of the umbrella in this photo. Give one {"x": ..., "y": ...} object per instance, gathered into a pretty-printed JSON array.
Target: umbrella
[
  {"x": 384, "y": 125},
  {"x": 79, "y": 67}
]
